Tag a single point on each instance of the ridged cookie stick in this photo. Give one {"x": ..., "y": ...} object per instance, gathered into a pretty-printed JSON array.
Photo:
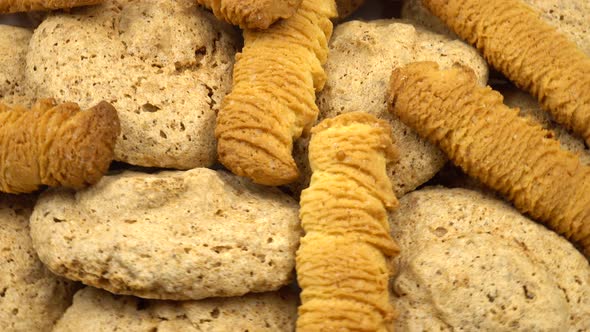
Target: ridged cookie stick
[
  {"x": 531, "y": 53},
  {"x": 251, "y": 14},
  {"x": 55, "y": 145},
  {"x": 343, "y": 261},
  {"x": 490, "y": 142},
  {"x": 273, "y": 96},
  {"x": 16, "y": 6}
]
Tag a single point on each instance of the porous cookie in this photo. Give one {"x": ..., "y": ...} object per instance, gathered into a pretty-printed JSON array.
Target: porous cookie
[
  {"x": 173, "y": 235},
  {"x": 473, "y": 263},
  {"x": 568, "y": 17},
  {"x": 96, "y": 310},
  {"x": 14, "y": 6},
  {"x": 164, "y": 65},
  {"x": 31, "y": 297},
  {"x": 14, "y": 42},
  {"x": 362, "y": 55}
]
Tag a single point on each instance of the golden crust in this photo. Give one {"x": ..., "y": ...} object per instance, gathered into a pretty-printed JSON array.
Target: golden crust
[
  {"x": 55, "y": 145},
  {"x": 490, "y": 142},
  {"x": 529, "y": 51},
  {"x": 15, "y": 6},
  {"x": 273, "y": 96},
  {"x": 252, "y": 14},
  {"x": 343, "y": 261}
]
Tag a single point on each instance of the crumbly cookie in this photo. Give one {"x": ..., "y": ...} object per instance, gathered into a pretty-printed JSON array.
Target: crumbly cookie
[
  {"x": 15, "y": 6},
  {"x": 14, "y": 42},
  {"x": 252, "y": 14},
  {"x": 31, "y": 298},
  {"x": 471, "y": 262},
  {"x": 173, "y": 235},
  {"x": 568, "y": 17},
  {"x": 96, "y": 310},
  {"x": 362, "y": 55},
  {"x": 164, "y": 65}
]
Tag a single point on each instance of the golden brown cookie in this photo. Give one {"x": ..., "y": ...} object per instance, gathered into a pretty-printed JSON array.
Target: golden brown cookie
[
  {"x": 15, "y": 6},
  {"x": 529, "y": 51},
  {"x": 273, "y": 97},
  {"x": 252, "y": 14},
  {"x": 55, "y": 145},
  {"x": 492, "y": 143},
  {"x": 343, "y": 261}
]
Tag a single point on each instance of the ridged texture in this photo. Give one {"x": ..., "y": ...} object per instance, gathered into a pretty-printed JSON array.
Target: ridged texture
[
  {"x": 530, "y": 52},
  {"x": 55, "y": 145},
  {"x": 251, "y": 14},
  {"x": 273, "y": 97},
  {"x": 15, "y": 6},
  {"x": 490, "y": 142},
  {"x": 343, "y": 261}
]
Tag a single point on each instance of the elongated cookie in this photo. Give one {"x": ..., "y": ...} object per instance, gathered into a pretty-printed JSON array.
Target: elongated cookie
[
  {"x": 31, "y": 298},
  {"x": 492, "y": 143},
  {"x": 15, "y": 6},
  {"x": 273, "y": 96},
  {"x": 95, "y": 310},
  {"x": 530, "y": 52},
  {"x": 343, "y": 261},
  {"x": 470, "y": 262},
  {"x": 362, "y": 55},
  {"x": 173, "y": 235},
  {"x": 14, "y": 42},
  {"x": 55, "y": 145},
  {"x": 164, "y": 65},
  {"x": 252, "y": 14}
]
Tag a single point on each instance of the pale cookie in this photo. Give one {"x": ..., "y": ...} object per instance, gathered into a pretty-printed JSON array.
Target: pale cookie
[
  {"x": 164, "y": 65},
  {"x": 173, "y": 235},
  {"x": 362, "y": 56},
  {"x": 473, "y": 263},
  {"x": 31, "y": 298},
  {"x": 96, "y": 310},
  {"x": 14, "y": 43}
]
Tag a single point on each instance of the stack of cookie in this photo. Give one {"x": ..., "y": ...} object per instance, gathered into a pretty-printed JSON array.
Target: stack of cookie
[{"x": 163, "y": 160}]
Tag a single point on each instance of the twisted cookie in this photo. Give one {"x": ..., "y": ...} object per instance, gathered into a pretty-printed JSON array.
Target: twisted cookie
[
  {"x": 55, "y": 145},
  {"x": 251, "y": 14},
  {"x": 530, "y": 52},
  {"x": 15, "y": 6},
  {"x": 273, "y": 97},
  {"x": 342, "y": 263},
  {"x": 493, "y": 144}
]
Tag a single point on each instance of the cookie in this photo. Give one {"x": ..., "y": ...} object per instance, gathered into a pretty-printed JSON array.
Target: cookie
[
  {"x": 31, "y": 298},
  {"x": 11, "y": 6},
  {"x": 473, "y": 263},
  {"x": 254, "y": 14},
  {"x": 96, "y": 310},
  {"x": 362, "y": 55},
  {"x": 568, "y": 17},
  {"x": 164, "y": 65},
  {"x": 14, "y": 42},
  {"x": 172, "y": 235}
]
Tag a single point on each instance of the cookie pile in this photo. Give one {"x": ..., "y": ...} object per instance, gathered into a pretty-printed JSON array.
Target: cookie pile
[{"x": 270, "y": 165}]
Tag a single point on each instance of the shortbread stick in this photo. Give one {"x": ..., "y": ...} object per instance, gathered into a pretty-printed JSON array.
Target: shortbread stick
[
  {"x": 490, "y": 142},
  {"x": 55, "y": 145},
  {"x": 343, "y": 261},
  {"x": 251, "y": 14},
  {"x": 273, "y": 96},
  {"x": 16, "y": 6},
  {"x": 530, "y": 52}
]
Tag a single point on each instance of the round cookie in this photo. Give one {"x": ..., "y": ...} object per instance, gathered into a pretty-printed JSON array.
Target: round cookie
[
  {"x": 568, "y": 17},
  {"x": 97, "y": 310},
  {"x": 14, "y": 42},
  {"x": 172, "y": 235},
  {"x": 362, "y": 57},
  {"x": 471, "y": 262},
  {"x": 31, "y": 298},
  {"x": 164, "y": 65}
]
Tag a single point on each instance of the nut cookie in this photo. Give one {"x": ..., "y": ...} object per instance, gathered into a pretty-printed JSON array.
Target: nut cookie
[
  {"x": 96, "y": 310},
  {"x": 164, "y": 65},
  {"x": 14, "y": 42},
  {"x": 173, "y": 235},
  {"x": 471, "y": 262}
]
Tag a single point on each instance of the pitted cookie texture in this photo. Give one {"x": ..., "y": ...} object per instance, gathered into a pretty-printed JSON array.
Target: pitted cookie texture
[
  {"x": 31, "y": 298},
  {"x": 95, "y": 310},
  {"x": 362, "y": 55},
  {"x": 172, "y": 235},
  {"x": 471, "y": 262},
  {"x": 252, "y": 14},
  {"x": 164, "y": 65},
  {"x": 14, "y": 42}
]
